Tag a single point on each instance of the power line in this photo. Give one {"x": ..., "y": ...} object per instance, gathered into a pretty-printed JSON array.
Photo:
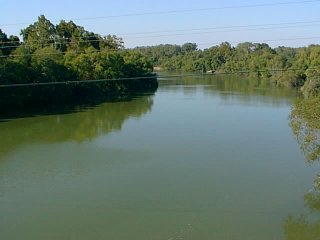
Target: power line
[
  {"x": 316, "y": 23},
  {"x": 184, "y": 11},
  {"x": 73, "y": 82},
  {"x": 266, "y": 40},
  {"x": 201, "y": 9},
  {"x": 156, "y": 76},
  {"x": 123, "y": 50},
  {"x": 218, "y": 27},
  {"x": 61, "y": 53},
  {"x": 226, "y": 31},
  {"x": 180, "y": 30}
]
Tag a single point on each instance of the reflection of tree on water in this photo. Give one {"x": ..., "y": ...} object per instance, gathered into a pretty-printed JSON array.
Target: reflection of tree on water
[
  {"x": 300, "y": 229},
  {"x": 247, "y": 89},
  {"x": 77, "y": 126},
  {"x": 305, "y": 123}
]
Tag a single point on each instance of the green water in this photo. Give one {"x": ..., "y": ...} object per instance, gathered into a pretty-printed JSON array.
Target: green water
[{"x": 202, "y": 158}]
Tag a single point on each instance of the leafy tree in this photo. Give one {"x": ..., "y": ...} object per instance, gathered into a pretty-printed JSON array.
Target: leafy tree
[
  {"x": 48, "y": 62},
  {"x": 188, "y": 47},
  {"x": 40, "y": 34},
  {"x": 111, "y": 42},
  {"x": 22, "y": 55},
  {"x": 136, "y": 64},
  {"x": 7, "y": 45}
]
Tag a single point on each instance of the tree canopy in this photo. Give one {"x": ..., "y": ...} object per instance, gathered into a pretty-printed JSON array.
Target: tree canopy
[
  {"x": 64, "y": 52},
  {"x": 293, "y": 67},
  {"x": 69, "y": 52}
]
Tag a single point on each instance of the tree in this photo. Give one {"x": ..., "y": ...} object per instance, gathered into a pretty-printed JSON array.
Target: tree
[
  {"x": 188, "y": 47},
  {"x": 136, "y": 64},
  {"x": 111, "y": 42},
  {"x": 3, "y": 43},
  {"x": 48, "y": 62},
  {"x": 40, "y": 34},
  {"x": 7, "y": 45}
]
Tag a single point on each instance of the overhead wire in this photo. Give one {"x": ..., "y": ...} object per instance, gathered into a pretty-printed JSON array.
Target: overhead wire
[
  {"x": 261, "y": 27},
  {"x": 263, "y": 40},
  {"x": 61, "y": 53},
  {"x": 73, "y": 82},
  {"x": 185, "y": 11},
  {"x": 163, "y": 77},
  {"x": 225, "y": 31},
  {"x": 219, "y": 27},
  {"x": 123, "y": 50}
]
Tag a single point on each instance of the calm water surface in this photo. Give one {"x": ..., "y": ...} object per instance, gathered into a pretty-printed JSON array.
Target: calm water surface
[{"x": 202, "y": 158}]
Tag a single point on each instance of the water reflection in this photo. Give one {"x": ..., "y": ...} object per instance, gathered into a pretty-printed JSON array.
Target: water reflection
[
  {"x": 78, "y": 126},
  {"x": 243, "y": 89},
  {"x": 305, "y": 124},
  {"x": 190, "y": 170}
]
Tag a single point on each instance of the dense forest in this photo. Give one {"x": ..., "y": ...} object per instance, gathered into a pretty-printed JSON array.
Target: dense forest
[
  {"x": 64, "y": 53},
  {"x": 294, "y": 67},
  {"x": 68, "y": 54}
]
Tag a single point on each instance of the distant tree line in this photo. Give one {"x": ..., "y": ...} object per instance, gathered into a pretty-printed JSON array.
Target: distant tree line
[
  {"x": 301, "y": 65},
  {"x": 65, "y": 52}
]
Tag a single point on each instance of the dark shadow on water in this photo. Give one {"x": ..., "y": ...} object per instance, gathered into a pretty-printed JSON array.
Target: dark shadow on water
[
  {"x": 53, "y": 109},
  {"x": 72, "y": 123}
]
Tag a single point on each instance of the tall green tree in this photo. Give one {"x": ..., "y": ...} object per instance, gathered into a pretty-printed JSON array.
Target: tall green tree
[{"x": 40, "y": 34}]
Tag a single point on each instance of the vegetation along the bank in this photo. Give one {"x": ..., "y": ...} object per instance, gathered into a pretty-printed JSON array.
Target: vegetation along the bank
[
  {"x": 68, "y": 54},
  {"x": 294, "y": 67}
]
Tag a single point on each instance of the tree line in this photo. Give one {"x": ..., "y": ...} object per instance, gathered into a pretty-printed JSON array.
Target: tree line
[
  {"x": 294, "y": 67},
  {"x": 66, "y": 52}
]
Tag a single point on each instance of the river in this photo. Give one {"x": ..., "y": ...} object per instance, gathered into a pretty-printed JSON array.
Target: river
[{"x": 202, "y": 158}]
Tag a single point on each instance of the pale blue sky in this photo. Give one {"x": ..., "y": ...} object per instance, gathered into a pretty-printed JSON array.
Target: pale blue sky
[{"x": 304, "y": 32}]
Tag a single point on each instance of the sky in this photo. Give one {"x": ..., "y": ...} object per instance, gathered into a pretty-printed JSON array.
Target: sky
[{"x": 207, "y": 23}]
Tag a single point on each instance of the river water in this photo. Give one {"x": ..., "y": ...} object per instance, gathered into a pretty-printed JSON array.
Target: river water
[{"x": 201, "y": 158}]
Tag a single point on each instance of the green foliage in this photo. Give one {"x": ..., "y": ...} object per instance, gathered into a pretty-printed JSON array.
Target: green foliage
[
  {"x": 135, "y": 64},
  {"x": 16, "y": 73},
  {"x": 40, "y": 34},
  {"x": 48, "y": 62},
  {"x": 22, "y": 55},
  {"x": 67, "y": 52},
  {"x": 285, "y": 66},
  {"x": 62, "y": 53},
  {"x": 66, "y": 36},
  {"x": 7, "y": 45},
  {"x": 188, "y": 47}
]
